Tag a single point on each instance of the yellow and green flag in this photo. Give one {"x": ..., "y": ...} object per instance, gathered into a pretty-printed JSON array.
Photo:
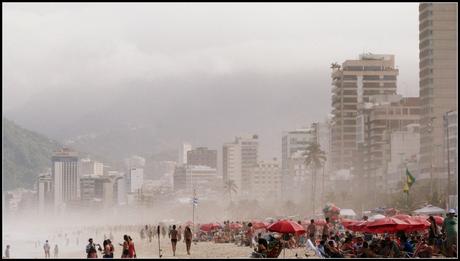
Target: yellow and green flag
[{"x": 409, "y": 181}]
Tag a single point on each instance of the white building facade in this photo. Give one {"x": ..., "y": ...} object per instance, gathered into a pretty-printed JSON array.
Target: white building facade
[
  {"x": 266, "y": 181},
  {"x": 65, "y": 175},
  {"x": 135, "y": 179}
]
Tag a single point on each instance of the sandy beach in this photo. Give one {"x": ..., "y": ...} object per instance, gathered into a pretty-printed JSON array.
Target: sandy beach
[{"x": 144, "y": 248}]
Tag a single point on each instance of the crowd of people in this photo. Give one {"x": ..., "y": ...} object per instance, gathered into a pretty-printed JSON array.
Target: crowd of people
[
  {"x": 436, "y": 241},
  {"x": 326, "y": 239},
  {"x": 329, "y": 239}
]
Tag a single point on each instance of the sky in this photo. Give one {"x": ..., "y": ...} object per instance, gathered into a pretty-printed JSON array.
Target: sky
[{"x": 52, "y": 48}]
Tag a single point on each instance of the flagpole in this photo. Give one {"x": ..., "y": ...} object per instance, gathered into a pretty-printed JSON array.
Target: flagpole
[
  {"x": 407, "y": 201},
  {"x": 193, "y": 203}
]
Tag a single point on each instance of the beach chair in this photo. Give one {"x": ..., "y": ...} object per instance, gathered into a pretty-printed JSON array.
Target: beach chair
[{"x": 311, "y": 246}]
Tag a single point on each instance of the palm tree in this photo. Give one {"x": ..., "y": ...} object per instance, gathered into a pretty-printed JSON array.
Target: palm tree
[
  {"x": 229, "y": 187},
  {"x": 314, "y": 158}
]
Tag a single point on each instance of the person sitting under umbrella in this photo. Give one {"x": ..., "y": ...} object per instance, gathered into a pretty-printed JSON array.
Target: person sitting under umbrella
[{"x": 261, "y": 250}]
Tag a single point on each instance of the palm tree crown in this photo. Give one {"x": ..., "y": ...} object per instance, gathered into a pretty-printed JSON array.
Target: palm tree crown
[{"x": 315, "y": 157}]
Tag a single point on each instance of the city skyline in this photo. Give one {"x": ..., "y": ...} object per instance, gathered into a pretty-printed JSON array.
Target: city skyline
[{"x": 236, "y": 121}]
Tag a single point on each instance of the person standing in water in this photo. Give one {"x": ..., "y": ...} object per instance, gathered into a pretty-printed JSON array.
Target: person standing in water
[
  {"x": 173, "y": 235},
  {"x": 47, "y": 248}
]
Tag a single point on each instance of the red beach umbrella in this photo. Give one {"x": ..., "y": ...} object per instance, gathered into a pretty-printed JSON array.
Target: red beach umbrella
[
  {"x": 258, "y": 224},
  {"x": 210, "y": 226},
  {"x": 346, "y": 222},
  {"x": 286, "y": 226},
  {"x": 402, "y": 216},
  {"x": 439, "y": 220},
  {"x": 235, "y": 226},
  {"x": 358, "y": 226},
  {"x": 392, "y": 224}
]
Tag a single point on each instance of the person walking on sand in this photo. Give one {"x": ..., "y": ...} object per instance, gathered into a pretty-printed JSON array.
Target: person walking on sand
[
  {"x": 131, "y": 248},
  {"x": 188, "y": 238},
  {"x": 326, "y": 229},
  {"x": 47, "y": 248},
  {"x": 179, "y": 234},
  {"x": 173, "y": 235},
  {"x": 311, "y": 231},
  {"x": 125, "y": 251},
  {"x": 151, "y": 234},
  {"x": 91, "y": 251},
  {"x": 56, "y": 251}
]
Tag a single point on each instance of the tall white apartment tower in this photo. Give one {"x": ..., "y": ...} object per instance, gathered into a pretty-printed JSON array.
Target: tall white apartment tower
[
  {"x": 65, "y": 176},
  {"x": 183, "y": 149},
  {"x": 438, "y": 69},
  {"x": 239, "y": 161}
]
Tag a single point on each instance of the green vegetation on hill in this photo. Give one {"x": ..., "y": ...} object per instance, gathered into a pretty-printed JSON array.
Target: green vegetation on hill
[{"x": 25, "y": 154}]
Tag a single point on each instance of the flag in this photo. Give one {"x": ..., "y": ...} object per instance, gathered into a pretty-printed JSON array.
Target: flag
[
  {"x": 410, "y": 180},
  {"x": 194, "y": 201}
]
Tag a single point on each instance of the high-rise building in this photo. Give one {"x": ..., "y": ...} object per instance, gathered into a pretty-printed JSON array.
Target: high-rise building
[
  {"x": 119, "y": 187},
  {"x": 353, "y": 83},
  {"x": 294, "y": 141},
  {"x": 438, "y": 67},
  {"x": 201, "y": 178},
  {"x": 231, "y": 164},
  {"x": 293, "y": 172},
  {"x": 100, "y": 189},
  {"x": 239, "y": 159},
  {"x": 195, "y": 177},
  {"x": 183, "y": 150},
  {"x": 91, "y": 167},
  {"x": 65, "y": 175},
  {"x": 382, "y": 115},
  {"x": 404, "y": 146},
  {"x": 180, "y": 178},
  {"x": 202, "y": 156},
  {"x": 451, "y": 155},
  {"x": 45, "y": 193},
  {"x": 135, "y": 179},
  {"x": 266, "y": 181},
  {"x": 91, "y": 187},
  {"x": 296, "y": 179}
]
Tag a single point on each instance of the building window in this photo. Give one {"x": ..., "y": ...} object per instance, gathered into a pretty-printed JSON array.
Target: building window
[
  {"x": 353, "y": 68},
  {"x": 373, "y": 68},
  {"x": 389, "y": 77}
]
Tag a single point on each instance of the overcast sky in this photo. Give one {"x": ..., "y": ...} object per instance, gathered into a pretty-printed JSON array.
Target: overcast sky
[
  {"x": 48, "y": 46},
  {"x": 221, "y": 70}
]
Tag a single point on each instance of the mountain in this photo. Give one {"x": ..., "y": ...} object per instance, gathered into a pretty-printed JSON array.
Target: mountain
[{"x": 25, "y": 155}]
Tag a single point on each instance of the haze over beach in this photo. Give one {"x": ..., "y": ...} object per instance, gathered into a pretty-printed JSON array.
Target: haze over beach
[{"x": 243, "y": 121}]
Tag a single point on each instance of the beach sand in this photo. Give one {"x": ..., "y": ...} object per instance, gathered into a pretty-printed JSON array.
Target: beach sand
[{"x": 144, "y": 249}]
